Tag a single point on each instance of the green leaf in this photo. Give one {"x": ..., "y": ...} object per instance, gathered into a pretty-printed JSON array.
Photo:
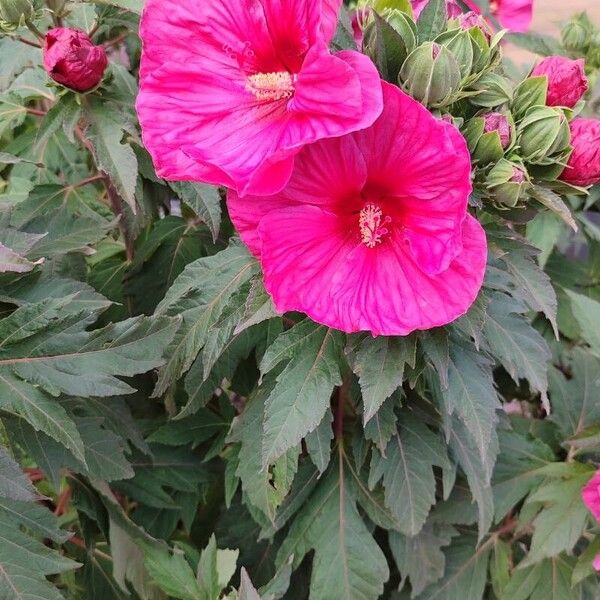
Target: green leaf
[
  {"x": 247, "y": 591},
  {"x": 11, "y": 262},
  {"x": 518, "y": 468},
  {"x": 265, "y": 488},
  {"x": 420, "y": 558},
  {"x": 318, "y": 442},
  {"x": 575, "y": 401},
  {"x": 587, "y": 313},
  {"x": 173, "y": 574},
  {"x": 135, "y": 6},
  {"x": 300, "y": 398},
  {"x": 199, "y": 295},
  {"x": 520, "y": 348},
  {"x": 346, "y": 558},
  {"x": 468, "y": 456},
  {"x": 407, "y": 473},
  {"x": 204, "y": 200},
  {"x": 379, "y": 364},
  {"x": 561, "y": 521},
  {"x": 466, "y": 569},
  {"x": 35, "y": 517},
  {"x": 114, "y": 158},
  {"x": 382, "y": 426},
  {"x": 555, "y": 203},
  {"x": 14, "y": 484},
  {"x": 432, "y": 20},
  {"x": 24, "y": 563},
  {"x": 193, "y": 430}
]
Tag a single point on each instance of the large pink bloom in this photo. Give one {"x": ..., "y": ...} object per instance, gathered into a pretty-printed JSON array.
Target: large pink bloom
[
  {"x": 231, "y": 90},
  {"x": 372, "y": 231},
  {"x": 514, "y": 15}
]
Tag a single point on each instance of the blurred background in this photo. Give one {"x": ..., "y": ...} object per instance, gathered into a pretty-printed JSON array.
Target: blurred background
[{"x": 548, "y": 15}]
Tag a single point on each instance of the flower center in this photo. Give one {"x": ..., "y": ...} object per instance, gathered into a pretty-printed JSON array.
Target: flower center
[
  {"x": 271, "y": 86},
  {"x": 372, "y": 225}
]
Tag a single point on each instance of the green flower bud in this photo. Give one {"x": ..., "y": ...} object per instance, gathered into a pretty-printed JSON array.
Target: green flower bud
[
  {"x": 543, "y": 135},
  {"x": 389, "y": 41},
  {"x": 529, "y": 93},
  {"x": 15, "y": 12},
  {"x": 430, "y": 74},
  {"x": 593, "y": 57},
  {"x": 459, "y": 42},
  {"x": 493, "y": 90},
  {"x": 575, "y": 36},
  {"x": 508, "y": 183},
  {"x": 488, "y": 136}
]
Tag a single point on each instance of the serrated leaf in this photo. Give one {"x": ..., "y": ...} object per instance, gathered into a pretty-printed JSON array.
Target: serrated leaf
[
  {"x": 420, "y": 558},
  {"x": 346, "y": 558},
  {"x": 113, "y": 157},
  {"x": 518, "y": 468},
  {"x": 301, "y": 395},
  {"x": 14, "y": 484},
  {"x": 318, "y": 442},
  {"x": 468, "y": 456},
  {"x": 173, "y": 574},
  {"x": 556, "y": 204},
  {"x": 379, "y": 363},
  {"x": 407, "y": 473},
  {"x": 466, "y": 569},
  {"x": 265, "y": 488},
  {"x": 522, "y": 351},
  {"x": 199, "y": 295},
  {"x": 11, "y": 262},
  {"x": 204, "y": 200},
  {"x": 575, "y": 400},
  {"x": 561, "y": 521},
  {"x": 382, "y": 426},
  {"x": 258, "y": 308},
  {"x": 586, "y": 311}
]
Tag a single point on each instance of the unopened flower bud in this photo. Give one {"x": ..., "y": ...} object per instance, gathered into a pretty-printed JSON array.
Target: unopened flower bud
[
  {"x": 430, "y": 74},
  {"x": 72, "y": 60},
  {"x": 493, "y": 90},
  {"x": 472, "y": 19},
  {"x": 567, "y": 82},
  {"x": 488, "y": 137},
  {"x": 508, "y": 182},
  {"x": 543, "y": 132},
  {"x": 583, "y": 168},
  {"x": 498, "y": 122},
  {"x": 15, "y": 12},
  {"x": 575, "y": 36}
]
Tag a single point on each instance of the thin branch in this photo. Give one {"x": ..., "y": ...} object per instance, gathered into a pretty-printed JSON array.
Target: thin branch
[
  {"x": 38, "y": 34},
  {"x": 116, "y": 40},
  {"x": 36, "y": 112},
  {"x": 77, "y": 541},
  {"x": 88, "y": 181},
  {"x": 23, "y": 40}
]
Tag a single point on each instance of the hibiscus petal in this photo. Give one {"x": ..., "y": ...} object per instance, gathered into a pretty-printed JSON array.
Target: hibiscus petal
[
  {"x": 591, "y": 495},
  {"x": 425, "y": 164},
  {"x": 319, "y": 178},
  {"x": 313, "y": 262},
  {"x": 515, "y": 15},
  {"x": 329, "y": 17}
]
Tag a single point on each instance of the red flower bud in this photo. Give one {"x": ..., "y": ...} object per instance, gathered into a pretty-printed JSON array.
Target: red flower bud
[
  {"x": 495, "y": 121},
  {"x": 474, "y": 19},
  {"x": 72, "y": 60},
  {"x": 583, "y": 168},
  {"x": 567, "y": 82}
]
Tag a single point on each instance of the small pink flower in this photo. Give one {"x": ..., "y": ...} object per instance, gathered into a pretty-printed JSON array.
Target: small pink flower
[
  {"x": 583, "y": 168},
  {"x": 514, "y": 15},
  {"x": 231, "y": 90},
  {"x": 372, "y": 232},
  {"x": 590, "y": 495},
  {"x": 72, "y": 60},
  {"x": 567, "y": 82},
  {"x": 596, "y": 563},
  {"x": 495, "y": 121}
]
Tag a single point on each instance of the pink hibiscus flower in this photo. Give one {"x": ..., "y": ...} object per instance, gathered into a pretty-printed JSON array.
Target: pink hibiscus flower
[
  {"x": 590, "y": 495},
  {"x": 372, "y": 231},
  {"x": 514, "y": 15},
  {"x": 231, "y": 90}
]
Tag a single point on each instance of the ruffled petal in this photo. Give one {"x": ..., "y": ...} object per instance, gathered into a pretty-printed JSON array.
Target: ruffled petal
[
  {"x": 425, "y": 165},
  {"x": 515, "y": 15},
  {"x": 320, "y": 178},
  {"x": 314, "y": 262},
  {"x": 591, "y": 495},
  {"x": 330, "y": 11}
]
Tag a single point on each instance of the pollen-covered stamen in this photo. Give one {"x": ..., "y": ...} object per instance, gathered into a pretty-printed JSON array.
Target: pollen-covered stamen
[
  {"x": 271, "y": 86},
  {"x": 372, "y": 225}
]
